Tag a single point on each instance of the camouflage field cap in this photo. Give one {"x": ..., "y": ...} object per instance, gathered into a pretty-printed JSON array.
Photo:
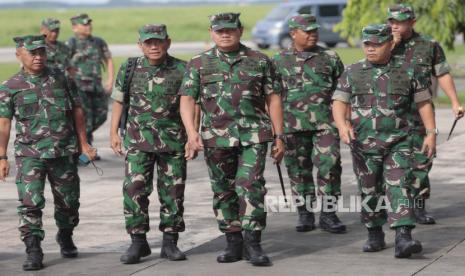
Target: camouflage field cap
[
  {"x": 30, "y": 42},
  {"x": 228, "y": 20},
  {"x": 401, "y": 12},
  {"x": 376, "y": 33},
  {"x": 149, "y": 31},
  {"x": 51, "y": 23},
  {"x": 81, "y": 18},
  {"x": 305, "y": 22}
]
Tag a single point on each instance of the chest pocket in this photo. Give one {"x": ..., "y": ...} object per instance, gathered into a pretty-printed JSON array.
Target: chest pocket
[
  {"x": 211, "y": 84},
  {"x": 362, "y": 90},
  {"x": 139, "y": 84},
  {"x": 28, "y": 105},
  {"x": 173, "y": 82},
  {"x": 399, "y": 94}
]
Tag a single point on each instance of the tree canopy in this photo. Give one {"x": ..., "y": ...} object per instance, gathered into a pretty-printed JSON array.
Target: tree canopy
[{"x": 440, "y": 19}]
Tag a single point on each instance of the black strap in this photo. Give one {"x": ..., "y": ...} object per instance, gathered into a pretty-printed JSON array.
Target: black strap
[{"x": 128, "y": 74}]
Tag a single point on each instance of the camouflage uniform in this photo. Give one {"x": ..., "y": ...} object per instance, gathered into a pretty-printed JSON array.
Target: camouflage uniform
[
  {"x": 428, "y": 57},
  {"x": 57, "y": 53},
  {"x": 231, "y": 89},
  {"x": 309, "y": 79},
  {"x": 87, "y": 59},
  {"x": 155, "y": 134},
  {"x": 45, "y": 142},
  {"x": 381, "y": 97}
]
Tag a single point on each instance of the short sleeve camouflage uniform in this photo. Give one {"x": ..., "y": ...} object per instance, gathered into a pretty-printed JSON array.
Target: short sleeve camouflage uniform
[
  {"x": 87, "y": 59},
  {"x": 231, "y": 89},
  {"x": 155, "y": 134},
  {"x": 45, "y": 144},
  {"x": 309, "y": 80},
  {"x": 380, "y": 97}
]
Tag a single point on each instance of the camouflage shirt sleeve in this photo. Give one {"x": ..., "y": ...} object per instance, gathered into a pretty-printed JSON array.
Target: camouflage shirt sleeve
[
  {"x": 105, "y": 50},
  {"x": 118, "y": 94},
  {"x": 191, "y": 82},
  {"x": 6, "y": 103},
  {"x": 440, "y": 65},
  {"x": 421, "y": 85},
  {"x": 344, "y": 88},
  {"x": 271, "y": 80},
  {"x": 73, "y": 93},
  {"x": 338, "y": 69}
]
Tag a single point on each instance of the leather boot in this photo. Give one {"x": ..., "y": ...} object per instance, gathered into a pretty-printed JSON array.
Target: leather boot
[
  {"x": 234, "y": 247},
  {"x": 375, "y": 240},
  {"x": 169, "y": 249},
  {"x": 405, "y": 245},
  {"x": 421, "y": 215},
  {"x": 34, "y": 253},
  {"x": 65, "y": 240},
  {"x": 306, "y": 220},
  {"x": 253, "y": 251},
  {"x": 331, "y": 223},
  {"x": 139, "y": 248}
]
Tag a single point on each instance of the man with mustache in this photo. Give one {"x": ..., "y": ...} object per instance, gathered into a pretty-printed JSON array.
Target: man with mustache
[
  {"x": 50, "y": 130},
  {"x": 309, "y": 76}
]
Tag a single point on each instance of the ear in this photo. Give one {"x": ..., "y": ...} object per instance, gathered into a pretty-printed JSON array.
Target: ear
[
  {"x": 393, "y": 45},
  {"x": 241, "y": 30},
  {"x": 168, "y": 43},
  {"x": 139, "y": 44},
  {"x": 414, "y": 21},
  {"x": 292, "y": 34}
]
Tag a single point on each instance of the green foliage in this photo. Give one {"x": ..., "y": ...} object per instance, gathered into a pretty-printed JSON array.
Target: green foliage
[
  {"x": 119, "y": 26},
  {"x": 441, "y": 19}
]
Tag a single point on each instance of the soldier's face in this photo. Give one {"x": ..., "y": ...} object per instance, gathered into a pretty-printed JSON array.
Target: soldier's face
[
  {"x": 82, "y": 29},
  {"x": 227, "y": 39},
  {"x": 155, "y": 49},
  {"x": 401, "y": 28},
  {"x": 378, "y": 53},
  {"x": 33, "y": 61},
  {"x": 52, "y": 35},
  {"x": 304, "y": 39}
]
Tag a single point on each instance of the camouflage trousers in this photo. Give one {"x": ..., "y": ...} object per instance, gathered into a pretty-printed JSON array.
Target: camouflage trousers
[
  {"x": 238, "y": 186},
  {"x": 384, "y": 182},
  {"x": 30, "y": 180},
  {"x": 138, "y": 185},
  {"x": 306, "y": 149},
  {"x": 95, "y": 105},
  {"x": 421, "y": 167}
]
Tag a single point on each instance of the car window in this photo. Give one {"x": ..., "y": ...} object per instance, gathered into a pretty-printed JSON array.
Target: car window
[
  {"x": 279, "y": 13},
  {"x": 328, "y": 10},
  {"x": 306, "y": 10}
]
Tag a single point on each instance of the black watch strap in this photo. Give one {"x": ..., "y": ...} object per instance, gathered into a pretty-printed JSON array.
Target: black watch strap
[{"x": 3, "y": 157}]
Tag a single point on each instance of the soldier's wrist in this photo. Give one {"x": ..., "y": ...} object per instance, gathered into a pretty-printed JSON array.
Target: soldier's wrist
[
  {"x": 432, "y": 131},
  {"x": 3, "y": 157}
]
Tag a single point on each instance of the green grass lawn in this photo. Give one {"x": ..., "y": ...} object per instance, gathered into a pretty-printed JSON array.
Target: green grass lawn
[{"x": 189, "y": 23}]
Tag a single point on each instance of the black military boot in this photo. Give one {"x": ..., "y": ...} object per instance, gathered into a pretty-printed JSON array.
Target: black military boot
[
  {"x": 65, "y": 240},
  {"x": 421, "y": 215},
  {"x": 234, "y": 247},
  {"x": 306, "y": 220},
  {"x": 253, "y": 251},
  {"x": 139, "y": 248},
  {"x": 405, "y": 245},
  {"x": 34, "y": 253},
  {"x": 375, "y": 240},
  {"x": 169, "y": 248},
  {"x": 331, "y": 223}
]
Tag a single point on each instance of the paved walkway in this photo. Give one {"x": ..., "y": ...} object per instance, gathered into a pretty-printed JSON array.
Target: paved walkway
[{"x": 101, "y": 237}]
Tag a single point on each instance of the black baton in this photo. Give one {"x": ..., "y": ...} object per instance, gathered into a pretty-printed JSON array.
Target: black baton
[
  {"x": 281, "y": 181},
  {"x": 452, "y": 129}
]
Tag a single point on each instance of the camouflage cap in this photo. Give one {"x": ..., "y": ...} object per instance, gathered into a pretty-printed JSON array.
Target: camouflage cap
[
  {"x": 228, "y": 20},
  {"x": 51, "y": 23},
  {"x": 305, "y": 22},
  {"x": 81, "y": 18},
  {"x": 401, "y": 12},
  {"x": 149, "y": 31},
  {"x": 376, "y": 33},
  {"x": 30, "y": 42}
]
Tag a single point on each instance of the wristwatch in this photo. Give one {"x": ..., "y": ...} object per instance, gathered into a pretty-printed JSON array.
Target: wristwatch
[
  {"x": 434, "y": 131},
  {"x": 3, "y": 157},
  {"x": 280, "y": 136}
]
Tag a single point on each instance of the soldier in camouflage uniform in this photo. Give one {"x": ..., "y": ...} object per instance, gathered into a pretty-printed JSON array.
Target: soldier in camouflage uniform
[
  {"x": 233, "y": 84},
  {"x": 49, "y": 122},
  {"x": 88, "y": 55},
  {"x": 57, "y": 51},
  {"x": 155, "y": 134},
  {"x": 309, "y": 76},
  {"x": 380, "y": 90},
  {"x": 428, "y": 56}
]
